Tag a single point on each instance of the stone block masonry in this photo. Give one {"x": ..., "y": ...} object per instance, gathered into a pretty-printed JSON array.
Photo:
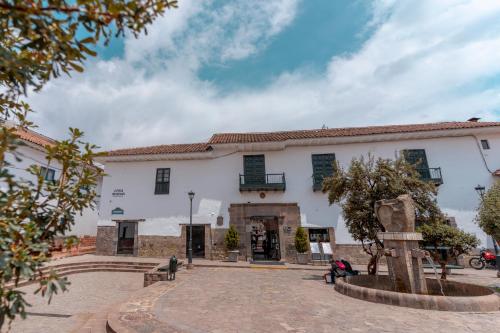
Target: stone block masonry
[
  {"x": 287, "y": 215},
  {"x": 106, "y": 240},
  {"x": 162, "y": 246}
]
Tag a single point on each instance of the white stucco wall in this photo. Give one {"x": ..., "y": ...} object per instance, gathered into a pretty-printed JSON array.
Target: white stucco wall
[
  {"x": 215, "y": 182},
  {"x": 86, "y": 222}
]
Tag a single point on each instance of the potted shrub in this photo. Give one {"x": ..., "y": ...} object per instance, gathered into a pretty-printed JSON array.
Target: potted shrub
[
  {"x": 232, "y": 242},
  {"x": 301, "y": 246}
]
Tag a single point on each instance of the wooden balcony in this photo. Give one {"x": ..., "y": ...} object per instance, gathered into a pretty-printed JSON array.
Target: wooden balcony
[
  {"x": 431, "y": 175},
  {"x": 267, "y": 182}
]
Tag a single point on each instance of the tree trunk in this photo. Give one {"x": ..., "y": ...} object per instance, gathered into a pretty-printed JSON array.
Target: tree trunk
[
  {"x": 443, "y": 270},
  {"x": 373, "y": 265}
]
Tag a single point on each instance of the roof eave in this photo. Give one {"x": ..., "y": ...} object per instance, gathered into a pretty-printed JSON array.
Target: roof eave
[{"x": 154, "y": 157}]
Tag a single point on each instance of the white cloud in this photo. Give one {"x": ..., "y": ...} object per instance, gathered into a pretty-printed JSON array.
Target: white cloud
[{"x": 423, "y": 62}]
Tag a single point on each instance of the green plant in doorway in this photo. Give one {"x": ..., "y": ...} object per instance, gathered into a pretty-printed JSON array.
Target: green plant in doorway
[
  {"x": 232, "y": 238},
  {"x": 301, "y": 240}
]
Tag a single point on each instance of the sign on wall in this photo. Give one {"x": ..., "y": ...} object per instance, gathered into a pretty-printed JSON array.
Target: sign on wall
[
  {"x": 117, "y": 211},
  {"x": 118, "y": 193}
]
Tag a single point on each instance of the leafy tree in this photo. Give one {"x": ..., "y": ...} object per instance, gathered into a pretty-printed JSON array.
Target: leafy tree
[
  {"x": 367, "y": 181},
  {"x": 301, "y": 240},
  {"x": 488, "y": 215},
  {"x": 447, "y": 242},
  {"x": 232, "y": 238},
  {"x": 40, "y": 40}
]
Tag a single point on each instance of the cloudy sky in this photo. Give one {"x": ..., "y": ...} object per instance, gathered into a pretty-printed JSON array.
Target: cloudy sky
[{"x": 239, "y": 65}]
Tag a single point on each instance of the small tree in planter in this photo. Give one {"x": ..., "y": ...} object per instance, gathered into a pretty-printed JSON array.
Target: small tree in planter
[
  {"x": 301, "y": 246},
  {"x": 232, "y": 241},
  {"x": 447, "y": 243}
]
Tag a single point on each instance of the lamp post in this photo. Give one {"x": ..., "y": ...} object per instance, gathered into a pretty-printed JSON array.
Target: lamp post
[
  {"x": 481, "y": 190},
  {"x": 190, "y": 246}
]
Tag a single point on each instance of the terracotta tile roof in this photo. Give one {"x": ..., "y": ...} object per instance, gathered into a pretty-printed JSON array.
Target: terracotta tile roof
[
  {"x": 162, "y": 149},
  {"x": 222, "y": 138},
  {"x": 34, "y": 137},
  {"x": 496, "y": 173}
]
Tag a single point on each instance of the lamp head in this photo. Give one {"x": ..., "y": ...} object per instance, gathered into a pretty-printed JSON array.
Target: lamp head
[
  {"x": 480, "y": 190},
  {"x": 191, "y": 195}
]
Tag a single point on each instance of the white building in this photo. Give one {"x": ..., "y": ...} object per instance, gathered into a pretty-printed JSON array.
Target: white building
[
  {"x": 32, "y": 152},
  {"x": 264, "y": 181}
]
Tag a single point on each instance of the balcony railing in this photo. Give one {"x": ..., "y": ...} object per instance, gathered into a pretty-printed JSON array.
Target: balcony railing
[
  {"x": 431, "y": 174},
  {"x": 267, "y": 182}
]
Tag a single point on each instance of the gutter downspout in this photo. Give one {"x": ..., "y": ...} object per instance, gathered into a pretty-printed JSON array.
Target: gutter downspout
[{"x": 481, "y": 153}]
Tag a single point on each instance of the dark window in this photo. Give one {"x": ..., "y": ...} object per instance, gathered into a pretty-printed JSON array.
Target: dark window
[
  {"x": 485, "y": 144},
  {"x": 162, "y": 185},
  {"x": 322, "y": 167},
  {"x": 319, "y": 235},
  {"x": 48, "y": 174},
  {"x": 255, "y": 169}
]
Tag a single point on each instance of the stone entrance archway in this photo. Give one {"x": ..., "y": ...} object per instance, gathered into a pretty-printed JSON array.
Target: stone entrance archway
[{"x": 287, "y": 215}]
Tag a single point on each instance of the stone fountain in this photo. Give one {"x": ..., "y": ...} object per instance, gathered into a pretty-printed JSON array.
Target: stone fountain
[
  {"x": 404, "y": 257},
  {"x": 406, "y": 284}
]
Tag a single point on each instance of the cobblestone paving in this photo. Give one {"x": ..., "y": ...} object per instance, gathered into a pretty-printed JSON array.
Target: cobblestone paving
[
  {"x": 223, "y": 300},
  {"x": 88, "y": 294}
]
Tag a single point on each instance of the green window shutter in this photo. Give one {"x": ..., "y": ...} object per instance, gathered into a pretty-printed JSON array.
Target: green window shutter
[
  {"x": 254, "y": 169},
  {"x": 418, "y": 159},
  {"x": 322, "y": 167},
  {"x": 162, "y": 183}
]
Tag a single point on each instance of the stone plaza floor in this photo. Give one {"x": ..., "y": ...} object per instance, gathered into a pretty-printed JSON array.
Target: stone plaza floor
[
  {"x": 89, "y": 294},
  {"x": 223, "y": 299}
]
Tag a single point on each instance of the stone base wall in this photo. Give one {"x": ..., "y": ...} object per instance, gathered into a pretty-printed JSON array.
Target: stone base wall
[
  {"x": 154, "y": 276},
  {"x": 351, "y": 252},
  {"x": 167, "y": 246},
  {"x": 106, "y": 240},
  {"x": 219, "y": 251},
  {"x": 162, "y": 246}
]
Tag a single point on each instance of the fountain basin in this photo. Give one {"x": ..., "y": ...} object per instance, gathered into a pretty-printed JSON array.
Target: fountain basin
[{"x": 460, "y": 297}]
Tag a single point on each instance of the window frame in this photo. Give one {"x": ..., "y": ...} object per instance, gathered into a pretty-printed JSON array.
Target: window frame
[
  {"x": 46, "y": 171},
  {"x": 162, "y": 182},
  {"x": 485, "y": 144}
]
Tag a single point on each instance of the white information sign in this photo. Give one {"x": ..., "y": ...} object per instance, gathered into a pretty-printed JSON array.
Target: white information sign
[
  {"x": 315, "y": 248},
  {"x": 327, "y": 249}
]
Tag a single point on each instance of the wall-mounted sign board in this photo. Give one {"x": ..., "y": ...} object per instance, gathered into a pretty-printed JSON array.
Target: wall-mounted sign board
[
  {"x": 117, "y": 211},
  {"x": 118, "y": 193}
]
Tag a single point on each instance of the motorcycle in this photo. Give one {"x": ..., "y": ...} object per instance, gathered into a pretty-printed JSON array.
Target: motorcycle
[{"x": 486, "y": 257}]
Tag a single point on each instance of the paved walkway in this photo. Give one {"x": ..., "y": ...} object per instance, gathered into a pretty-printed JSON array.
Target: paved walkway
[
  {"x": 221, "y": 300},
  {"x": 89, "y": 294}
]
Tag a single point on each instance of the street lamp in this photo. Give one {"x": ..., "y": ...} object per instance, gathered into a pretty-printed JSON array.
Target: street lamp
[
  {"x": 190, "y": 248},
  {"x": 481, "y": 190}
]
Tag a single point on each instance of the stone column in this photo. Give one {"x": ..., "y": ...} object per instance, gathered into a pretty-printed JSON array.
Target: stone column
[{"x": 404, "y": 258}]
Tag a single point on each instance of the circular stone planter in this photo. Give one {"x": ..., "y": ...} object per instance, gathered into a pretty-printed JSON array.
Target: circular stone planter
[{"x": 461, "y": 297}]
